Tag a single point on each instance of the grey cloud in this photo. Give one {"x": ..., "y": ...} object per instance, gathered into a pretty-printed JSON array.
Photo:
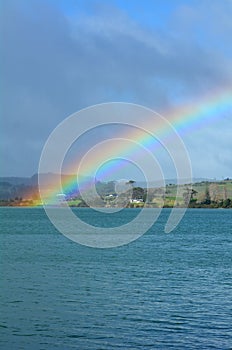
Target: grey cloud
[{"x": 53, "y": 66}]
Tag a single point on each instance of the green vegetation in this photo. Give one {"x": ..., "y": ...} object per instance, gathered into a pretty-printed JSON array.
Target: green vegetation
[
  {"x": 198, "y": 195},
  {"x": 205, "y": 195},
  {"x": 74, "y": 202}
]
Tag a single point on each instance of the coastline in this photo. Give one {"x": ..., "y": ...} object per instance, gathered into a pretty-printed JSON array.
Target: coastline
[{"x": 205, "y": 194}]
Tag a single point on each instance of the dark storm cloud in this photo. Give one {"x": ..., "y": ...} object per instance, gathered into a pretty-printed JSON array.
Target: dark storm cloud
[{"x": 54, "y": 65}]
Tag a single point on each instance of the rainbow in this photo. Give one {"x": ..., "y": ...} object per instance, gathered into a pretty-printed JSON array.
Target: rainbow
[{"x": 185, "y": 119}]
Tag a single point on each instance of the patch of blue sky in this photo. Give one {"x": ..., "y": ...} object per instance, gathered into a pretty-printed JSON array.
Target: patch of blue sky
[{"x": 153, "y": 14}]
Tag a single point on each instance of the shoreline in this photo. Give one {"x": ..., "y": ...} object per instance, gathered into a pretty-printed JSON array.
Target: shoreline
[{"x": 85, "y": 207}]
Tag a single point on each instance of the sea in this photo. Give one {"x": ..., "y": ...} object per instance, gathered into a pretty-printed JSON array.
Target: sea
[{"x": 162, "y": 291}]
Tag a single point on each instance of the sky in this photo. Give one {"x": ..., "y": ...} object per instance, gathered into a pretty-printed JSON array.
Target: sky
[{"x": 59, "y": 56}]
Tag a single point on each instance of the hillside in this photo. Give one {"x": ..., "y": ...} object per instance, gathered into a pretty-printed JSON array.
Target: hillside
[{"x": 15, "y": 191}]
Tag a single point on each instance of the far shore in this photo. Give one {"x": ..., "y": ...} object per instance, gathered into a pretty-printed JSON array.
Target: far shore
[
  {"x": 199, "y": 195},
  {"x": 40, "y": 206}
]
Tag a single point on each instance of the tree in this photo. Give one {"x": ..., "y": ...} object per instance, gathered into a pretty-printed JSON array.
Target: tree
[
  {"x": 138, "y": 193},
  {"x": 227, "y": 203},
  {"x": 188, "y": 196},
  {"x": 207, "y": 199}
]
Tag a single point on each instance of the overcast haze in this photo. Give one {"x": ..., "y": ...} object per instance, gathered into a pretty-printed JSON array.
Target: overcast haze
[{"x": 61, "y": 56}]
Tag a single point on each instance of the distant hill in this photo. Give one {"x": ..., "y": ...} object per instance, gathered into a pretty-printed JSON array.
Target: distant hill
[
  {"x": 12, "y": 180},
  {"x": 27, "y": 187}
]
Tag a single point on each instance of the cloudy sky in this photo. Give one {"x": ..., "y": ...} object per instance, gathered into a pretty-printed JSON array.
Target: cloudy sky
[{"x": 59, "y": 56}]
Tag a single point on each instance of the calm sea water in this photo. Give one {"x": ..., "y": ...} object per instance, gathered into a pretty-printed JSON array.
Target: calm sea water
[{"x": 163, "y": 291}]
